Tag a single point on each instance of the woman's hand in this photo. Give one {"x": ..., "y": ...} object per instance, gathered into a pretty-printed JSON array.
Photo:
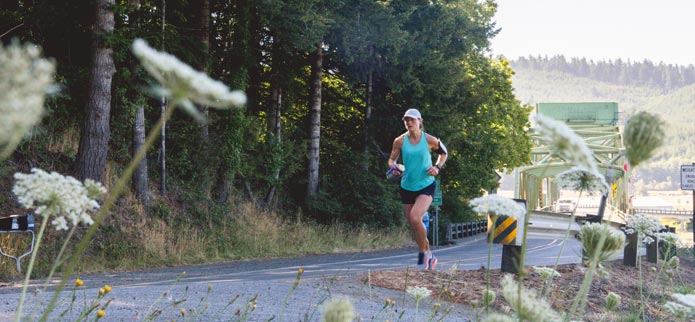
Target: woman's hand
[{"x": 433, "y": 171}]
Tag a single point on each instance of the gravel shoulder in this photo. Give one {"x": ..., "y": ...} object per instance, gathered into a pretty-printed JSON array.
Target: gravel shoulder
[{"x": 221, "y": 292}]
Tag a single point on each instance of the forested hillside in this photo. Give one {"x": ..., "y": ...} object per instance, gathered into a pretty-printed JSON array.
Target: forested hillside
[
  {"x": 666, "y": 90},
  {"x": 327, "y": 84}
]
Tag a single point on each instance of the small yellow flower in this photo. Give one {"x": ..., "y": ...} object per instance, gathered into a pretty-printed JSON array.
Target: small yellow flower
[
  {"x": 79, "y": 282},
  {"x": 300, "y": 272},
  {"x": 437, "y": 306},
  {"x": 452, "y": 294},
  {"x": 183, "y": 312},
  {"x": 100, "y": 314},
  {"x": 388, "y": 301},
  {"x": 107, "y": 288},
  {"x": 102, "y": 291}
]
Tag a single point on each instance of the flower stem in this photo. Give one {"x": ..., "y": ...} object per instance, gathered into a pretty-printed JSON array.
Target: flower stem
[
  {"x": 99, "y": 217},
  {"x": 27, "y": 277},
  {"x": 57, "y": 263},
  {"x": 489, "y": 255},
  {"x": 580, "y": 300},
  {"x": 546, "y": 291}
]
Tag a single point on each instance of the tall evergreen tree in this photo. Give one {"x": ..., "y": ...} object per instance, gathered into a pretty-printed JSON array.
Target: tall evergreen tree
[{"x": 94, "y": 138}]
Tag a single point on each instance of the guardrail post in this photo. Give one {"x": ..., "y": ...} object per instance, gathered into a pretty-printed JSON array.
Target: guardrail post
[
  {"x": 630, "y": 251},
  {"x": 506, "y": 232},
  {"x": 511, "y": 255},
  {"x": 652, "y": 250}
]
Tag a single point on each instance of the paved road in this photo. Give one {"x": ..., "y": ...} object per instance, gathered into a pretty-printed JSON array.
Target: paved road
[{"x": 135, "y": 293}]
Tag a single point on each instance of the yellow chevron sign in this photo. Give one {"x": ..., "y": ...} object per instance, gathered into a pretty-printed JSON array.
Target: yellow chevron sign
[{"x": 504, "y": 229}]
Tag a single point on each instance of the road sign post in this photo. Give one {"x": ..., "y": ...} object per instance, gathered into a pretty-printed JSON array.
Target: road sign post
[
  {"x": 436, "y": 202},
  {"x": 688, "y": 183}
]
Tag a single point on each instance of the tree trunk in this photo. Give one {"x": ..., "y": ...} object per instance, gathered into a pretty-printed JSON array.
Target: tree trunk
[
  {"x": 140, "y": 180},
  {"x": 367, "y": 113},
  {"x": 315, "y": 117},
  {"x": 367, "y": 120},
  {"x": 94, "y": 139},
  {"x": 9, "y": 5},
  {"x": 276, "y": 123},
  {"x": 201, "y": 25}
]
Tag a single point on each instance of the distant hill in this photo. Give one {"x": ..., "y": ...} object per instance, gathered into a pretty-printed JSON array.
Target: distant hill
[{"x": 550, "y": 80}]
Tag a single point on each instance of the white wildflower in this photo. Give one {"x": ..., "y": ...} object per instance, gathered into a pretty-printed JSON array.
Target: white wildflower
[
  {"x": 489, "y": 296},
  {"x": 578, "y": 179},
  {"x": 644, "y": 226},
  {"x": 529, "y": 307},
  {"x": 643, "y": 134},
  {"x": 612, "y": 301},
  {"x": 678, "y": 310},
  {"x": 339, "y": 310},
  {"x": 671, "y": 239},
  {"x": 685, "y": 299},
  {"x": 496, "y": 204},
  {"x": 565, "y": 143},
  {"x": 546, "y": 273},
  {"x": 673, "y": 263},
  {"x": 498, "y": 317},
  {"x": 419, "y": 292},
  {"x": 452, "y": 269},
  {"x": 25, "y": 80},
  {"x": 592, "y": 233},
  {"x": 52, "y": 194},
  {"x": 183, "y": 84}
]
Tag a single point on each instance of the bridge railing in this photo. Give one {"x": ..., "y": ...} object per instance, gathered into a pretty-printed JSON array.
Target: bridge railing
[
  {"x": 465, "y": 229},
  {"x": 662, "y": 211}
]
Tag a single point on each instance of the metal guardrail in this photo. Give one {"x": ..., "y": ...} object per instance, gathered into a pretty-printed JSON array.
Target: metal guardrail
[
  {"x": 18, "y": 224},
  {"x": 662, "y": 211},
  {"x": 462, "y": 230}
]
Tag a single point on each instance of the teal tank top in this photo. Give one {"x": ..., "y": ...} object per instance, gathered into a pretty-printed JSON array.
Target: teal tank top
[{"x": 416, "y": 159}]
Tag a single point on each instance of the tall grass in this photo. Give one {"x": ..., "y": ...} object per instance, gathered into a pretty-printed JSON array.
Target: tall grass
[{"x": 130, "y": 239}]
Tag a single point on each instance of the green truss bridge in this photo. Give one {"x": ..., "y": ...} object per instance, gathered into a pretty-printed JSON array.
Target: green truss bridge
[{"x": 597, "y": 124}]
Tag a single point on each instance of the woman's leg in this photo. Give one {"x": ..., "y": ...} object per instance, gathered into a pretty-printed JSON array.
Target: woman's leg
[{"x": 414, "y": 215}]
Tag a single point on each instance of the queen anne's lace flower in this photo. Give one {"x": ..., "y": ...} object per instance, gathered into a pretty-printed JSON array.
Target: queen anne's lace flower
[
  {"x": 25, "y": 80},
  {"x": 419, "y": 292},
  {"x": 612, "y": 301},
  {"x": 644, "y": 226},
  {"x": 496, "y": 204},
  {"x": 685, "y": 299},
  {"x": 565, "y": 143},
  {"x": 578, "y": 179},
  {"x": 546, "y": 273},
  {"x": 683, "y": 307},
  {"x": 591, "y": 235},
  {"x": 63, "y": 197},
  {"x": 678, "y": 311},
  {"x": 182, "y": 83},
  {"x": 643, "y": 134},
  {"x": 673, "y": 240},
  {"x": 529, "y": 307},
  {"x": 339, "y": 310},
  {"x": 489, "y": 296},
  {"x": 498, "y": 317}
]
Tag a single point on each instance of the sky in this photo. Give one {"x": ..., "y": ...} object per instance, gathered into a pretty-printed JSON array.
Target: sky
[{"x": 658, "y": 30}]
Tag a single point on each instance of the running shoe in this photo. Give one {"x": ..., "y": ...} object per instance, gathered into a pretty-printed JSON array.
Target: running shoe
[
  {"x": 425, "y": 261},
  {"x": 430, "y": 260}
]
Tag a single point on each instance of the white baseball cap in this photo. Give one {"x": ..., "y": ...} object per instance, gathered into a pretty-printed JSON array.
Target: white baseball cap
[{"x": 412, "y": 113}]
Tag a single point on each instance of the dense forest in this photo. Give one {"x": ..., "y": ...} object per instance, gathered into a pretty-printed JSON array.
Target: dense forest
[
  {"x": 327, "y": 83},
  {"x": 666, "y": 90},
  {"x": 618, "y": 72}
]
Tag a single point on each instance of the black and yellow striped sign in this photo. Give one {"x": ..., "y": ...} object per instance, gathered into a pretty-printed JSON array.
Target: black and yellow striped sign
[{"x": 504, "y": 229}]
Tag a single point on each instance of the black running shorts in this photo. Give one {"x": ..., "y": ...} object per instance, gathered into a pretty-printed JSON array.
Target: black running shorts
[{"x": 408, "y": 197}]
